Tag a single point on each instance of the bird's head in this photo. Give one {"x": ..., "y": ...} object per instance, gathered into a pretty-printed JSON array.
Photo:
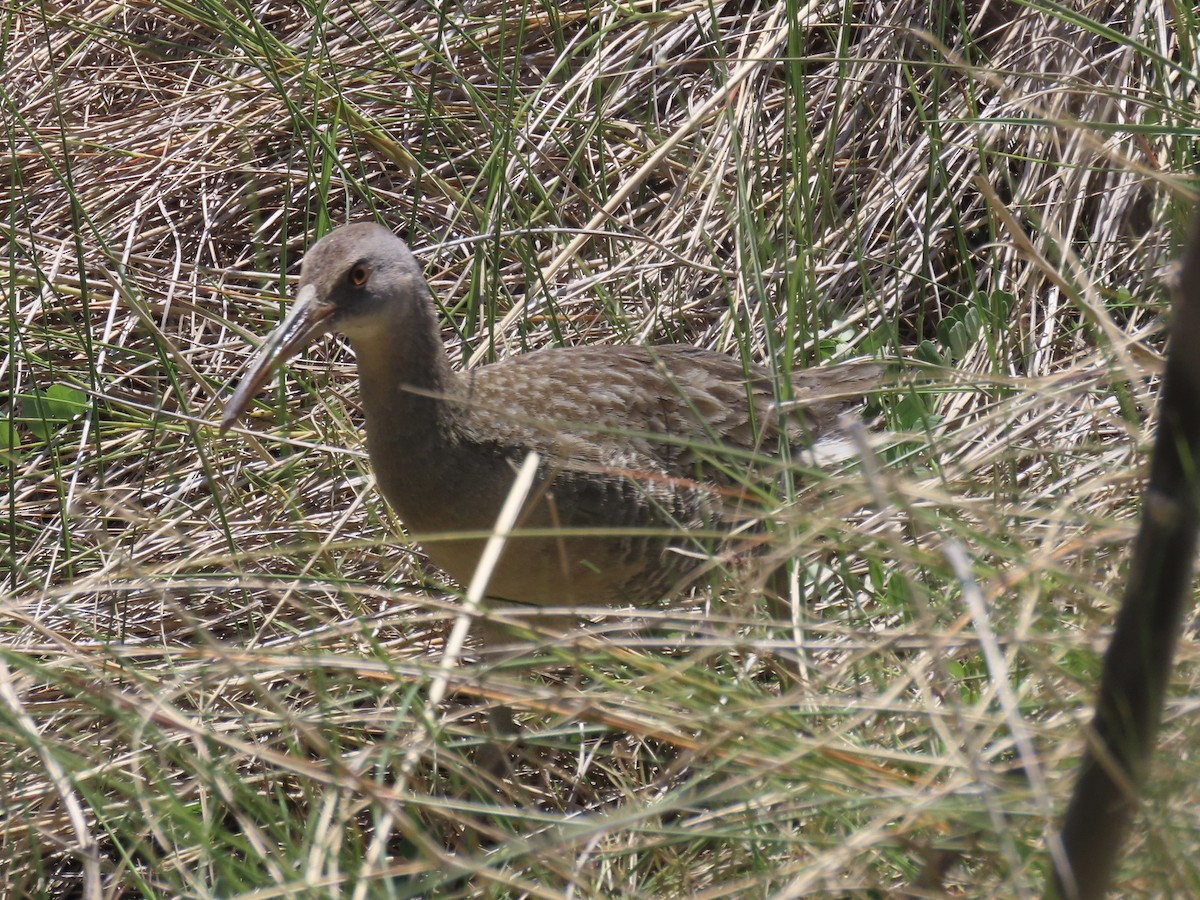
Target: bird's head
[{"x": 358, "y": 280}]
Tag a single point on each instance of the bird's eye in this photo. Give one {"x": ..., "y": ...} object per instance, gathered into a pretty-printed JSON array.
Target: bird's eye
[{"x": 359, "y": 275}]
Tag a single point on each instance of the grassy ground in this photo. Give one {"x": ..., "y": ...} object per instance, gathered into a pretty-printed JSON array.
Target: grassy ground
[{"x": 216, "y": 654}]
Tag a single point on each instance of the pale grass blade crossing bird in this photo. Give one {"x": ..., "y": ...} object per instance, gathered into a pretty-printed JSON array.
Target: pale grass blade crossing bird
[{"x": 639, "y": 444}]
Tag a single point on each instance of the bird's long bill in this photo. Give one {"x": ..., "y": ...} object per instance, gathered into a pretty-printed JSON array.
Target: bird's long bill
[{"x": 308, "y": 319}]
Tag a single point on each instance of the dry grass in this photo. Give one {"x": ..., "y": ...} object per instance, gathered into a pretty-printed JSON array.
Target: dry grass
[{"x": 215, "y": 667}]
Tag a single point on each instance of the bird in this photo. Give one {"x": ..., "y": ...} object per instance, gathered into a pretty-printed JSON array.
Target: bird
[{"x": 641, "y": 447}]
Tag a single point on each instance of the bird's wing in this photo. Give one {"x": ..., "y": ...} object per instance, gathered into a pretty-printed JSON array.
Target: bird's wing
[{"x": 663, "y": 409}]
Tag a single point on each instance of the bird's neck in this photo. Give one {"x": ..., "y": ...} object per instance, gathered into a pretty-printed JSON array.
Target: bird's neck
[{"x": 405, "y": 377}]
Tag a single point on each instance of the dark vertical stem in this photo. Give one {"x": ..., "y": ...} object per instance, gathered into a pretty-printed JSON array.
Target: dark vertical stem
[{"x": 1138, "y": 662}]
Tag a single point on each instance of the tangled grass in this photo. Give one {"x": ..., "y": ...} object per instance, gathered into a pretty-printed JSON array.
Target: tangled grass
[{"x": 217, "y": 653}]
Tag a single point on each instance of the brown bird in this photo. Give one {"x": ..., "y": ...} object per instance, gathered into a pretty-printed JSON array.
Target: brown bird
[{"x": 640, "y": 446}]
